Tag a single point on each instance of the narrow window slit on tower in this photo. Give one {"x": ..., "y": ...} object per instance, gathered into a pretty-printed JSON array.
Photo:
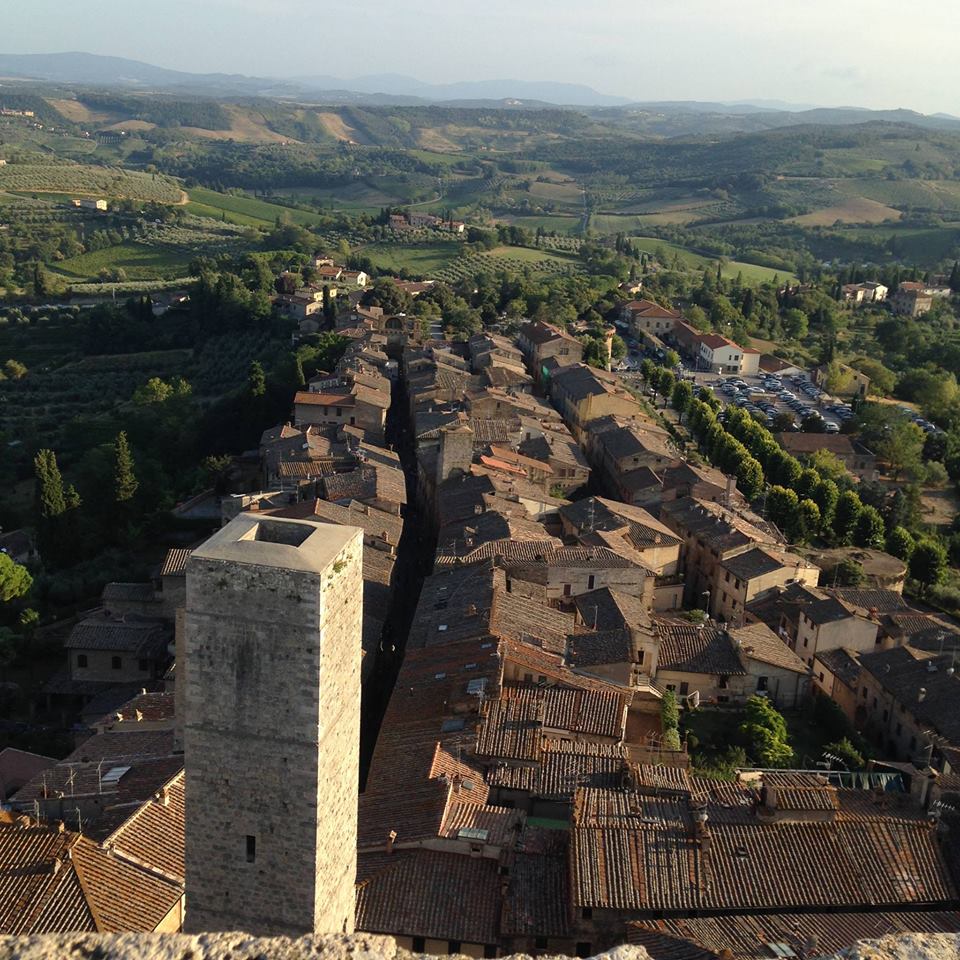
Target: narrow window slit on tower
[{"x": 251, "y": 848}]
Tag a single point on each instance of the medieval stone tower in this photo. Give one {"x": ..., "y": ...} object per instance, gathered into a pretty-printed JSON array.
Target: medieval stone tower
[
  {"x": 272, "y": 731},
  {"x": 456, "y": 452}
]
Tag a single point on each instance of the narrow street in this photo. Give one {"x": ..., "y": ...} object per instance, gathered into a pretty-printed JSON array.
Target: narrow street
[{"x": 414, "y": 561}]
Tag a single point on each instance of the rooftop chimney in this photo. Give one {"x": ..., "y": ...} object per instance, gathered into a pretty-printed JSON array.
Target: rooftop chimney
[{"x": 391, "y": 839}]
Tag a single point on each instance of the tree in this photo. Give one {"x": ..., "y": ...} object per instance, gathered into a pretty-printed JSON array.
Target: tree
[
  {"x": 829, "y": 466},
  {"x": 670, "y": 359},
  {"x": 900, "y": 543},
  {"x": 15, "y": 579},
  {"x": 749, "y": 477},
  {"x": 846, "y": 753},
  {"x": 882, "y": 380},
  {"x": 125, "y": 479},
  {"x": 846, "y": 516},
  {"x": 766, "y": 733},
  {"x": 869, "y": 529},
  {"x": 825, "y": 495},
  {"x": 795, "y": 324},
  {"x": 14, "y": 369},
  {"x": 681, "y": 396},
  {"x": 256, "y": 380},
  {"x": 849, "y": 573},
  {"x": 782, "y": 508},
  {"x": 50, "y": 498},
  {"x": 808, "y": 521},
  {"x": 154, "y": 390},
  {"x": 928, "y": 564},
  {"x": 836, "y": 378},
  {"x": 900, "y": 446},
  {"x": 782, "y": 422}
]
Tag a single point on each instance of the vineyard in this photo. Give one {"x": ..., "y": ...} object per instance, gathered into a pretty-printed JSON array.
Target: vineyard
[
  {"x": 82, "y": 180},
  {"x": 537, "y": 262}
]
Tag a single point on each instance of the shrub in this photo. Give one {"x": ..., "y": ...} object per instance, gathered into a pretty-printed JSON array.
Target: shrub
[{"x": 669, "y": 712}]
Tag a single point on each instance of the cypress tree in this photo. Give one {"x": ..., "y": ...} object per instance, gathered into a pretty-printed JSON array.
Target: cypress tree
[
  {"x": 125, "y": 480},
  {"x": 257, "y": 380},
  {"x": 51, "y": 502}
]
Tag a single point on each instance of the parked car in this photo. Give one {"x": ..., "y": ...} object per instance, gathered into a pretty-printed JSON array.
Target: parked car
[{"x": 831, "y": 428}]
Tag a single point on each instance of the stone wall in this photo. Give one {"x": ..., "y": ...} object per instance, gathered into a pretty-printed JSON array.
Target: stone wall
[{"x": 238, "y": 946}]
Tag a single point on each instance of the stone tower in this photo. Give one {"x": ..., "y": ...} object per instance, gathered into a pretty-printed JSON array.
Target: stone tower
[
  {"x": 456, "y": 452},
  {"x": 272, "y": 731}
]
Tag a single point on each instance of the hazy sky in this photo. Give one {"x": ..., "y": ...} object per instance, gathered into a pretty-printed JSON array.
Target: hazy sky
[{"x": 872, "y": 53}]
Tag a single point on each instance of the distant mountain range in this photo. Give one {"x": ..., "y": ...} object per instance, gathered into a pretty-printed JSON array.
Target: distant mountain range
[
  {"x": 664, "y": 118},
  {"x": 88, "y": 68}
]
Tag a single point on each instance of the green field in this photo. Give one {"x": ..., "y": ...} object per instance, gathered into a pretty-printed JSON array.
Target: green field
[
  {"x": 245, "y": 211},
  {"x": 418, "y": 260},
  {"x": 138, "y": 260},
  {"x": 691, "y": 260},
  {"x": 552, "y": 224}
]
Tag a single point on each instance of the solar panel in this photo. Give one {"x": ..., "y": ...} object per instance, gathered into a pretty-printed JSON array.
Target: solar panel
[
  {"x": 471, "y": 833},
  {"x": 113, "y": 774}
]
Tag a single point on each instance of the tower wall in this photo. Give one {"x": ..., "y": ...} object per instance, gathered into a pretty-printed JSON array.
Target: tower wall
[{"x": 272, "y": 727}]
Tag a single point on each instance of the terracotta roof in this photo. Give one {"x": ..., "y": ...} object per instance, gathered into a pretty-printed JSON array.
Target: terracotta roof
[
  {"x": 842, "y": 663},
  {"x": 751, "y": 937},
  {"x": 636, "y": 855},
  {"x": 647, "y": 308},
  {"x": 538, "y": 896},
  {"x": 903, "y": 671},
  {"x": 806, "y": 443},
  {"x": 685, "y": 648},
  {"x": 883, "y": 601},
  {"x": 129, "y": 592},
  {"x": 538, "y": 333},
  {"x": 423, "y": 894},
  {"x": 758, "y": 642},
  {"x": 761, "y": 561},
  {"x": 598, "y": 514},
  {"x": 145, "y": 707},
  {"x": 145, "y": 638},
  {"x": 713, "y": 524},
  {"x": 342, "y": 398},
  {"x": 373, "y": 482},
  {"x": 153, "y": 835},
  {"x": 122, "y": 895}
]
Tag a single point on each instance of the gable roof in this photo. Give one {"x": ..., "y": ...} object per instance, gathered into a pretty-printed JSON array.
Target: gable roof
[{"x": 685, "y": 648}]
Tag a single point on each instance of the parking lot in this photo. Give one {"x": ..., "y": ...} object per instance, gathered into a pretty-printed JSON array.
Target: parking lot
[
  {"x": 769, "y": 396},
  {"x": 765, "y": 395}
]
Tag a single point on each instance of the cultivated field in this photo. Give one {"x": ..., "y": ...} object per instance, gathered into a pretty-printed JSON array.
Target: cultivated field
[
  {"x": 87, "y": 181},
  {"x": 245, "y": 211},
  {"x": 855, "y": 210},
  {"x": 139, "y": 261}
]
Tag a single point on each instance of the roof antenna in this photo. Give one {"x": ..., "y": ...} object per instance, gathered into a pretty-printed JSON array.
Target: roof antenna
[{"x": 591, "y": 515}]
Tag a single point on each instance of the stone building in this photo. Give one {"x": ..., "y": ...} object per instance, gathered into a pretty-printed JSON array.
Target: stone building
[{"x": 272, "y": 699}]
